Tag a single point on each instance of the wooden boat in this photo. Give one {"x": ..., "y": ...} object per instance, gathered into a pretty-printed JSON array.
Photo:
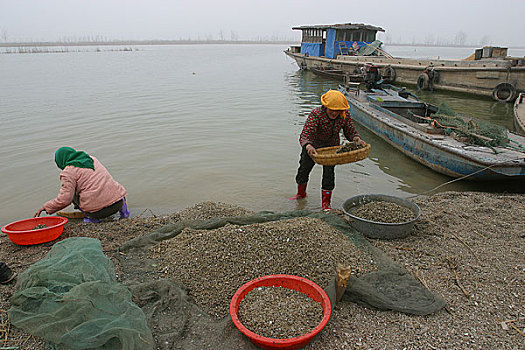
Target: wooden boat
[
  {"x": 519, "y": 114},
  {"x": 349, "y": 46},
  {"x": 406, "y": 123}
]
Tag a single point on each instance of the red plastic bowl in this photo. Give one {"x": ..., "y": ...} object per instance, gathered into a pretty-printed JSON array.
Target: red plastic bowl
[
  {"x": 22, "y": 232},
  {"x": 297, "y": 283}
]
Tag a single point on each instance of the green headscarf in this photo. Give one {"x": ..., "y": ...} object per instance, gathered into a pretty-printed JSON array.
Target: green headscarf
[{"x": 65, "y": 156}]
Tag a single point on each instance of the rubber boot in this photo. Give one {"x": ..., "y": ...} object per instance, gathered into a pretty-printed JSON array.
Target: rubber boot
[
  {"x": 6, "y": 275},
  {"x": 326, "y": 196},
  {"x": 124, "y": 212},
  {"x": 89, "y": 220},
  {"x": 301, "y": 192}
]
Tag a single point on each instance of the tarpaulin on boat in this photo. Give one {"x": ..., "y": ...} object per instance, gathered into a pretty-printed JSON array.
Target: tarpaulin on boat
[{"x": 312, "y": 49}]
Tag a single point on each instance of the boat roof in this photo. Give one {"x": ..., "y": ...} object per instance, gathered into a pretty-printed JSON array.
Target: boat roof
[{"x": 344, "y": 26}]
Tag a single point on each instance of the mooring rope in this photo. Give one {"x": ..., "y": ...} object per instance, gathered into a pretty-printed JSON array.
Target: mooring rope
[{"x": 464, "y": 177}]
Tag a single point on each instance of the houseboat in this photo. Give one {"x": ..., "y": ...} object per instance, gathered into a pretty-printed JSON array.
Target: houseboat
[{"x": 348, "y": 47}]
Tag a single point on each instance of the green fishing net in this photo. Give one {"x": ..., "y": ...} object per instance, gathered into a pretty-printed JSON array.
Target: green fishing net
[
  {"x": 476, "y": 132},
  {"x": 71, "y": 297}
]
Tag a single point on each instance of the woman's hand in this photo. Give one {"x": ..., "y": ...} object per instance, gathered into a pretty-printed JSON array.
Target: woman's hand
[
  {"x": 311, "y": 150},
  {"x": 38, "y": 212},
  {"x": 358, "y": 140}
]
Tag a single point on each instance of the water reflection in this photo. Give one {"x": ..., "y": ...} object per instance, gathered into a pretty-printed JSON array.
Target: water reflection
[{"x": 307, "y": 89}]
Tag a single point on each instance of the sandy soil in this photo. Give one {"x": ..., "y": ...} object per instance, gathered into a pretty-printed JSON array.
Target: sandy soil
[{"x": 467, "y": 247}]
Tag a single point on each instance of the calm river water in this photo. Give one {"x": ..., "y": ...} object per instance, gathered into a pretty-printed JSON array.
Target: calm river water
[{"x": 178, "y": 125}]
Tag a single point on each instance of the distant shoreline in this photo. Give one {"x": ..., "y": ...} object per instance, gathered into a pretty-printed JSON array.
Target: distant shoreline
[
  {"x": 203, "y": 42},
  {"x": 144, "y": 42}
]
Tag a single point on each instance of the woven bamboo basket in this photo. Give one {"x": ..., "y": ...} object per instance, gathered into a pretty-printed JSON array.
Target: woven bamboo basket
[
  {"x": 327, "y": 155},
  {"x": 71, "y": 214}
]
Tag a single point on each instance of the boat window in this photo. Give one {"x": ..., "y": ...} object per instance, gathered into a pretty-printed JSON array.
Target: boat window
[
  {"x": 312, "y": 36},
  {"x": 370, "y": 36},
  {"x": 344, "y": 35},
  {"x": 306, "y": 35}
]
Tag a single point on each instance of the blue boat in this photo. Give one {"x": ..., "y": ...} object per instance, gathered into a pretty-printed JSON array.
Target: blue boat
[
  {"x": 405, "y": 122},
  {"x": 348, "y": 47}
]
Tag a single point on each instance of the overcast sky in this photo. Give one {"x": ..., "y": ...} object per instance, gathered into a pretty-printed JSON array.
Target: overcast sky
[{"x": 499, "y": 23}]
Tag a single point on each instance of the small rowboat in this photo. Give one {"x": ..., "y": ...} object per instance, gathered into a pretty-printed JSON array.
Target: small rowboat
[
  {"x": 337, "y": 74},
  {"x": 405, "y": 122}
]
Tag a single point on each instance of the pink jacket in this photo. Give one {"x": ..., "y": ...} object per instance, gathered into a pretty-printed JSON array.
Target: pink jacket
[{"x": 96, "y": 189}]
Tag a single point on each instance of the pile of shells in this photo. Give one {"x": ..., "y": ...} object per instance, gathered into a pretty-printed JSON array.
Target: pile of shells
[
  {"x": 207, "y": 210},
  {"x": 39, "y": 226},
  {"x": 213, "y": 264},
  {"x": 349, "y": 146},
  {"x": 383, "y": 211},
  {"x": 277, "y": 312}
]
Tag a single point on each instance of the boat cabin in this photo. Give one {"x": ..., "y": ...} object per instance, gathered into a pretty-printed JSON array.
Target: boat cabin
[{"x": 336, "y": 39}]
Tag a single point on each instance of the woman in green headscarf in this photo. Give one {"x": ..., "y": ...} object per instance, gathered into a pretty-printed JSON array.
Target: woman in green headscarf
[
  {"x": 68, "y": 156},
  {"x": 88, "y": 185}
]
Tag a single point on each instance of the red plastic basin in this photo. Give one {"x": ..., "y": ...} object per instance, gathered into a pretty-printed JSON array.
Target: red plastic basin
[
  {"x": 22, "y": 232},
  {"x": 297, "y": 283}
]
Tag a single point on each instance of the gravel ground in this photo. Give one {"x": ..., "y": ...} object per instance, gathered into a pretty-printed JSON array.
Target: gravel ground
[{"x": 468, "y": 247}]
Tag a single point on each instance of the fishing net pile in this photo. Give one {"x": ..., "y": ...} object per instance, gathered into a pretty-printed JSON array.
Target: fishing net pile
[
  {"x": 476, "y": 132},
  {"x": 178, "y": 280}
]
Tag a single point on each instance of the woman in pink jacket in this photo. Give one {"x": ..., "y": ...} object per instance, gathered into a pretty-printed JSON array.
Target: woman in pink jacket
[{"x": 88, "y": 185}]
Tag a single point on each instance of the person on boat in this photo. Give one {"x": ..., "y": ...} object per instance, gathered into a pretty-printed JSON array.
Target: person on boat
[
  {"x": 321, "y": 129},
  {"x": 88, "y": 185}
]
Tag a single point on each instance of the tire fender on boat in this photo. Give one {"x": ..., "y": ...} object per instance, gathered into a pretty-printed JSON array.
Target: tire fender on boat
[
  {"x": 423, "y": 81},
  {"x": 389, "y": 74},
  {"x": 504, "y": 92}
]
